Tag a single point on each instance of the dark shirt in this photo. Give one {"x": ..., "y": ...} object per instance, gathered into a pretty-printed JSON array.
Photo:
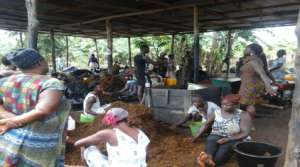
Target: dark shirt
[
  {"x": 93, "y": 60},
  {"x": 140, "y": 65}
]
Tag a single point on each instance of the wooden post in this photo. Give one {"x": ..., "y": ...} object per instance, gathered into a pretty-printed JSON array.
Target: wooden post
[
  {"x": 21, "y": 40},
  {"x": 53, "y": 50},
  {"x": 229, "y": 50},
  {"x": 129, "y": 53},
  {"x": 172, "y": 44},
  {"x": 109, "y": 46},
  {"x": 97, "y": 50},
  {"x": 196, "y": 44},
  {"x": 292, "y": 157},
  {"x": 67, "y": 45},
  {"x": 32, "y": 23}
]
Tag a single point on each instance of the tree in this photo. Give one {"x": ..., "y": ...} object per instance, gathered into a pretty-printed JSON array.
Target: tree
[{"x": 292, "y": 158}]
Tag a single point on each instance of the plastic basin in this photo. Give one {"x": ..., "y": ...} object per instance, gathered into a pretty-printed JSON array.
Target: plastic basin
[
  {"x": 256, "y": 154},
  {"x": 195, "y": 126}
]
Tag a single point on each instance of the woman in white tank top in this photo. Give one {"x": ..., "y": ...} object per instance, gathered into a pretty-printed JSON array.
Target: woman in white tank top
[
  {"x": 126, "y": 146},
  {"x": 229, "y": 125}
]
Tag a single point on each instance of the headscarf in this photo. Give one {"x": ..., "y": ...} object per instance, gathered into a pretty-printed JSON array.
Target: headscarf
[
  {"x": 233, "y": 98},
  {"x": 25, "y": 58},
  {"x": 114, "y": 115}
]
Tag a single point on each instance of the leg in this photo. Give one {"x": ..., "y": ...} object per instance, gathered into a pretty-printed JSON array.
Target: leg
[
  {"x": 224, "y": 153},
  {"x": 141, "y": 93},
  {"x": 251, "y": 110},
  {"x": 212, "y": 145}
]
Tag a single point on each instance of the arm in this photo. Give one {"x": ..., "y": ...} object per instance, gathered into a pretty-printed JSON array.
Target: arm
[
  {"x": 89, "y": 103},
  {"x": 206, "y": 126},
  {"x": 245, "y": 126},
  {"x": 48, "y": 103},
  {"x": 95, "y": 139},
  {"x": 5, "y": 114},
  {"x": 124, "y": 89},
  {"x": 186, "y": 118}
]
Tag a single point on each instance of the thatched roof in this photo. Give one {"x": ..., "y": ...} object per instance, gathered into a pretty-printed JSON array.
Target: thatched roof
[{"x": 148, "y": 17}]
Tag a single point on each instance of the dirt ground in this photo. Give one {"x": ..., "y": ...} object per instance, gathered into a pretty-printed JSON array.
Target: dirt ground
[{"x": 170, "y": 149}]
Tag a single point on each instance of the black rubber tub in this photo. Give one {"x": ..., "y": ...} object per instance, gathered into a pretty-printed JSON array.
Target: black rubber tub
[{"x": 256, "y": 154}]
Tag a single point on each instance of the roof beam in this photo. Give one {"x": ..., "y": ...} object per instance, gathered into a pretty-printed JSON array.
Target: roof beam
[{"x": 175, "y": 7}]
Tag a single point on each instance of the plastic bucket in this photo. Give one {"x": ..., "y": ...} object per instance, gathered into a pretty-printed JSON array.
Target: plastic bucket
[
  {"x": 170, "y": 82},
  {"x": 84, "y": 118},
  {"x": 194, "y": 127},
  {"x": 256, "y": 154}
]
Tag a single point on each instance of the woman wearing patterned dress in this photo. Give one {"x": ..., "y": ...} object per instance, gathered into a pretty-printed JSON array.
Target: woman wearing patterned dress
[
  {"x": 33, "y": 115},
  {"x": 254, "y": 78},
  {"x": 229, "y": 125},
  {"x": 126, "y": 146}
]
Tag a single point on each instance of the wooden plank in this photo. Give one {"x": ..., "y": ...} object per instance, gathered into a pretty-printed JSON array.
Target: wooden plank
[
  {"x": 53, "y": 50},
  {"x": 196, "y": 44},
  {"x": 129, "y": 52},
  {"x": 67, "y": 49},
  {"x": 109, "y": 46},
  {"x": 33, "y": 23}
]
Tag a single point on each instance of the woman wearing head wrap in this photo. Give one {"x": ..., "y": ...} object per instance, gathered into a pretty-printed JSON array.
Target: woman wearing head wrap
[
  {"x": 229, "y": 125},
  {"x": 33, "y": 114},
  {"x": 126, "y": 146},
  {"x": 254, "y": 79}
]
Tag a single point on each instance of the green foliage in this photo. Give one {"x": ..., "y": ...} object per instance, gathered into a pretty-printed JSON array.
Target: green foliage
[{"x": 213, "y": 46}]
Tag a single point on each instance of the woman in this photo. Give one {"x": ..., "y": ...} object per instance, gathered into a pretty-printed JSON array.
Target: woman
[
  {"x": 254, "y": 78},
  {"x": 126, "y": 146},
  {"x": 33, "y": 114},
  {"x": 229, "y": 125}
]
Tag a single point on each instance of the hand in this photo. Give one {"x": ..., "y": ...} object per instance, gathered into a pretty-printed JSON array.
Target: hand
[
  {"x": 190, "y": 140},
  {"x": 7, "y": 124},
  {"x": 223, "y": 141}
]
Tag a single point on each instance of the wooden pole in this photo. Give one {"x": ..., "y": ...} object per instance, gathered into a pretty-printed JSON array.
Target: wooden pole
[
  {"x": 229, "y": 50},
  {"x": 53, "y": 50},
  {"x": 172, "y": 44},
  {"x": 109, "y": 46},
  {"x": 196, "y": 44},
  {"x": 129, "y": 53},
  {"x": 292, "y": 157},
  {"x": 21, "y": 40},
  {"x": 32, "y": 23},
  {"x": 97, "y": 50},
  {"x": 67, "y": 45}
]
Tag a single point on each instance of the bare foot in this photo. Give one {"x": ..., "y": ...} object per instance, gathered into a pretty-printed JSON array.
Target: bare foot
[{"x": 205, "y": 160}]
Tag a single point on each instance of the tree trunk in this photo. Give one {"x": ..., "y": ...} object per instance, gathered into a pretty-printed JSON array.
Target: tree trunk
[
  {"x": 196, "y": 44},
  {"x": 53, "y": 50},
  {"x": 292, "y": 157},
  {"x": 229, "y": 50},
  {"x": 172, "y": 44},
  {"x": 67, "y": 45},
  {"x": 109, "y": 47},
  {"x": 32, "y": 23},
  {"x": 129, "y": 53},
  {"x": 21, "y": 40}
]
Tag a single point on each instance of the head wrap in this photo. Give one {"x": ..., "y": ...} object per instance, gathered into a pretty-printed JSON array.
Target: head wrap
[
  {"x": 233, "y": 98},
  {"x": 25, "y": 58},
  {"x": 114, "y": 115}
]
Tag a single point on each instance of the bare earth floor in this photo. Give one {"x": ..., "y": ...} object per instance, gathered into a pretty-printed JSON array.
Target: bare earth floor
[{"x": 170, "y": 149}]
